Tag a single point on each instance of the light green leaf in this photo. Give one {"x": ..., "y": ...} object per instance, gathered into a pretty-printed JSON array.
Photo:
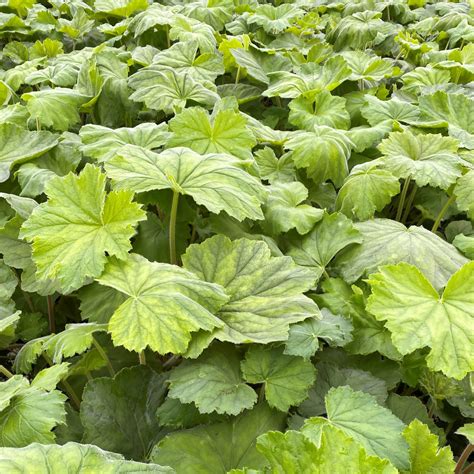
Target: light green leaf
[
  {"x": 48, "y": 378},
  {"x": 71, "y": 458},
  {"x": 303, "y": 338},
  {"x": 386, "y": 241},
  {"x": 283, "y": 210},
  {"x": 427, "y": 159},
  {"x": 29, "y": 413},
  {"x": 184, "y": 28},
  {"x": 275, "y": 20},
  {"x": 213, "y": 382},
  {"x": 214, "y": 181},
  {"x": 76, "y": 226},
  {"x": 310, "y": 77},
  {"x": 273, "y": 169},
  {"x": 164, "y": 89},
  {"x": 119, "y": 414},
  {"x": 468, "y": 431},
  {"x": 266, "y": 293},
  {"x": 323, "y": 152},
  {"x": 465, "y": 243},
  {"x": 294, "y": 452},
  {"x": 425, "y": 455},
  {"x": 365, "y": 191},
  {"x": 286, "y": 378},
  {"x": 464, "y": 192},
  {"x": 8, "y": 326},
  {"x": 366, "y": 66},
  {"x": 376, "y": 110},
  {"x": 217, "y": 448},
  {"x": 18, "y": 146},
  {"x": 320, "y": 108},
  {"x": 316, "y": 250},
  {"x": 417, "y": 316},
  {"x": 28, "y": 354},
  {"x": 223, "y": 132},
  {"x": 102, "y": 143},
  {"x": 75, "y": 339},
  {"x": 359, "y": 416},
  {"x": 165, "y": 304},
  {"x": 120, "y": 8}
]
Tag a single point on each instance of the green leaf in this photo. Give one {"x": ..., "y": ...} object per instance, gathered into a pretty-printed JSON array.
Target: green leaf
[
  {"x": 71, "y": 458},
  {"x": 18, "y": 146},
  {"x": 365, "y": 191},
  {"x": 275, "y": 170},
  {"x": 427, "y": 159},
  {"x": 418, "y": 317},
  {"x": 359, "y": 416},
  {"x": 468, "y": 431},
  {"x": 376, "y": 110},
  {"x": 386, "y": 241},
  {"x": 29, "y": 413},
  {"x": 47, "y": 379},
  {"x": 464, "y": 192},
  {"x": 119, "y": 414},
  {"x": 366, "y": 66},
  {"x": 324, "y": 153},
  {"x": 283, "y": 210},
  {"x": 286, "y": 378},
  {"x": 164, "y": 89},
  {"x": 316, "y": 250},
  {"x": 184, "y": 28},
  {"x": 213, "y": 382},
  {"x": 8, "y": 326},
  {"x": 120, "y": 8},
  {"x": 103, "y": 143},
  {"x": 28, "y": 354},
  {"x": 76, "y": 226},
  {"x": 217, "y": 448},
  {"x": 303, "y": 338},
  {"x": 56, "y": 108},
  {"x": 266, "y": 293},
  {"x": 214, "y": 181},
  {"x": 310, "y": 77},
  {"x": 336, "y": 453},
  {"x": 165, "y": 304},
  {"x": 425, "y": 454},
  {"x": 223, "y": 132},
  {"x": 320, "y": 108},
  {"x": 75, "y": 339},
  {"x": 274, "y": 20}
]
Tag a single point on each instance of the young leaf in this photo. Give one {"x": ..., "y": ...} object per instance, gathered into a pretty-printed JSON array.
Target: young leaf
[
  {"x": 213, "y": 382},
  {"x": 417, "y": 316},
  {"x": 214, "y": 181},
  {"x": 76, "y": 226},
  {"x": 286, "y": 378},
  {"x": 165, "y": 304}
]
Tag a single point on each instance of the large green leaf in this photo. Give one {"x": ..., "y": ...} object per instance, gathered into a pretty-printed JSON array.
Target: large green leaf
[
  {"x": 464, "y": 192},
  {"x": 386, "y": 241},
  {"x": 284, "y": 209},
  {"x": 76, "y": 226},
  {"x": 286, "y": 378},
  {"x": 213, "y": 382},
  {"x": 274, "y": 20},
  {"x": 217, "y": 448},
  {"x": 376, "y": 110},
  {"x": 164, "y": 89},
  {"x": 223, "y": 132},
  {"x": 165, "y": 304},
  {"x": 417, "y": 316},
  {"x": 120, "y": 8},
  {"x": 427, "y": 159},
  {"x": 18, "y": 145},
  {"x": 336, "y": 453},
  {"x": 365, "y": 191},
  {"x": 72, "y": 458},
  {"x": 266, "y": 293},
  {"x": 215, "y": 181},
  {"x": 102, "y": 143},
  {"x": 119, "y": 414},
  {"x": 359, "y": 416}
]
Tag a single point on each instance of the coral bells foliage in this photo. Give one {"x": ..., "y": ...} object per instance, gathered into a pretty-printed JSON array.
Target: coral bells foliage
[{"x": 236, "y": 236}]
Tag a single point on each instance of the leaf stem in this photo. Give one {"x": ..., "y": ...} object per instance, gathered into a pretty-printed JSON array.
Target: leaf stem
[
  {"x": 463, "y": 458},
  {"x": 142, "y": 357},
  {"x": 403, "y": 195},
  {"x": 104, "y": 356},
  {"x": 5, "y": 372},
  {"x": 172, "y": 231},
  {"x": 38, "y": 124},
  {"x": 410, "y": 200},
  {"x": 51, "y": 320},
  {"x": 442, "y": 213},
  {"x": 237, "y": 76}
]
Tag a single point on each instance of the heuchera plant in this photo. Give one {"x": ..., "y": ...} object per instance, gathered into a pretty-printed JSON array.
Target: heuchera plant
[{"x": 236, "y": 236}]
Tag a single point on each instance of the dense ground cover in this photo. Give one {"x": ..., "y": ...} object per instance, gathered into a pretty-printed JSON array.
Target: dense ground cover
[{"x": 236, "y": 236}]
